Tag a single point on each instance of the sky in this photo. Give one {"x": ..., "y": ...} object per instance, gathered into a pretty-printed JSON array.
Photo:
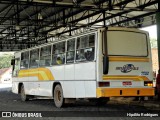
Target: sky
[{"x": 152, "y": 31}]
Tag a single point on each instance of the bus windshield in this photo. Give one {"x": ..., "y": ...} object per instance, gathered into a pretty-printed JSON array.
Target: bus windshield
[{"x": 127, "y": 43}]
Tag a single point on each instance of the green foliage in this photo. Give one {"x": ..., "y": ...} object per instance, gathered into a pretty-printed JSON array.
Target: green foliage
[
  {"x": 153, "y": 43},
  {"x": 5, "y": 60}
]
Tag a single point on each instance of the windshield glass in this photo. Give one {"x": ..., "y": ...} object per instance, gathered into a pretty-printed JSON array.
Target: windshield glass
[{"x": 126, "y": 43}]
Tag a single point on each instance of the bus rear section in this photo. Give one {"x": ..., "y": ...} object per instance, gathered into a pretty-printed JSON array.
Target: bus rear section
[{"x": 125, "y": 66}]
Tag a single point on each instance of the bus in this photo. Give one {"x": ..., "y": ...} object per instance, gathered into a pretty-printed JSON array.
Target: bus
[{"x": 96, "y": 65}]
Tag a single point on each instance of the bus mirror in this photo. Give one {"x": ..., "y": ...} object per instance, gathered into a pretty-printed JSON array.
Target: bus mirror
[
  {"x": 105, "y": 64},
  {"x": 13, "y": 62}
]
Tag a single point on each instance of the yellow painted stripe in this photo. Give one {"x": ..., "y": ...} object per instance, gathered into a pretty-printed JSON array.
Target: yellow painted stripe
[
  {"x": 121, "y": 77},
  {"x": 111, "y": 92},
  {"x": 40, "y": 73},
  {"x": 128, "y": 59}
]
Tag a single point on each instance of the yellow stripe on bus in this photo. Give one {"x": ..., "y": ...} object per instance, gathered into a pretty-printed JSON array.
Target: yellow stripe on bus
[
  {"x": 112, "y": 92},
  {"x": 40, "y": 73},
  {"x": 128, "y": 59},
  {"x": 121, "y": 77}
]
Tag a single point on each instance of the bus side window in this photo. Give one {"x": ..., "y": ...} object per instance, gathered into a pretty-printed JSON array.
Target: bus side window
[
  {"x": 34, "y": 58},
  {"x": 70, "y": 51},
  {"x": 24, "y": 60},
  {"x": 16, "y": 67},
  {"x": 85, "y": 48},
  {"x": 58, "y": 54},
  {"x": 89, "y": 52},
  {"x": 45, "y": 56}
]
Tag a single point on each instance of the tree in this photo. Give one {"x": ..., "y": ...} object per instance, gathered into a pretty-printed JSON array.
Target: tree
[
  {"x": 5, "y": 60},
  {"x": 153, "y": 42}
]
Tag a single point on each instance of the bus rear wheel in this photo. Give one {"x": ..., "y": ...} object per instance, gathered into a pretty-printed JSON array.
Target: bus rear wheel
[
  {"x": 58, "y": 96},
  {"x": 24, "y": 97}
]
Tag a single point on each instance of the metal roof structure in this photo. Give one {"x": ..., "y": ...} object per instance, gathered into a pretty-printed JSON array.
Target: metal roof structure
[{"x": 27, "y": 23}]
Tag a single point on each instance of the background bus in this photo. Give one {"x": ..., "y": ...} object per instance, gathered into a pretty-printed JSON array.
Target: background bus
[{"x": 95, "y": 65}]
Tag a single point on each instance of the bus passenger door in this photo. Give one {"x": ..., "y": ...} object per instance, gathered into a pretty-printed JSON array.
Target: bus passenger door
[
  {"x": 16, "y": 68},
  {"x": 15, "y": 71}
]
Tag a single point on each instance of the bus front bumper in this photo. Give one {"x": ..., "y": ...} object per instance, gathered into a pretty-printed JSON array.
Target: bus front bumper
[{"x": 112, "y": 92}]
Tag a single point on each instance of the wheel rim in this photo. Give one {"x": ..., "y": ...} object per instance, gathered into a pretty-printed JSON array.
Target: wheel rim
[{"x": 58, "y": 96}]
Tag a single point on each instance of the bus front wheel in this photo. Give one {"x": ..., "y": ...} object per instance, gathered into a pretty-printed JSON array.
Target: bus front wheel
[
  {"x": 24, "y": 97},
  {"x": 58, "y": 96}
]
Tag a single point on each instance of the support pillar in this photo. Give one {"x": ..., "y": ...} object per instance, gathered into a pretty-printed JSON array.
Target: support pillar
[
  {"x": 158, "y": 33},
  {"x": 158, "y": 43}
]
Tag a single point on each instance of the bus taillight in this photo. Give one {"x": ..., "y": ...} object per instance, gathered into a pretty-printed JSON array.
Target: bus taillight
[
  {"x": 148, "y": 83},
  {"x": 104, "y": 84}
]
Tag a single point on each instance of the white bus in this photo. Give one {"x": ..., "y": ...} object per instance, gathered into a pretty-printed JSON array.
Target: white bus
[{"x": 107, "y": 62}]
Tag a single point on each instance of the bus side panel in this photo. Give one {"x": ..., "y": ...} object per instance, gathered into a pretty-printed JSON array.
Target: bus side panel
[
  {"x": 69, "y": 72},
  {"x": 30, "y": 88},
  {"x": 69, "y": 89},
  {"x": 85, "y": 71},
  {"x": 29, "y": 83},
  {"x": 90, "y": 89},
  {"x": 58, "y": 72},
  {"x": 44, "y": 88},
  {"x": 15, "y": 86},
  {"x": 79, "y": 89}
]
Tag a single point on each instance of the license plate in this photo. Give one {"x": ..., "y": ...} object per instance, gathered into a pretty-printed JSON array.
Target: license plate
[{"x": 127, "y": 83}]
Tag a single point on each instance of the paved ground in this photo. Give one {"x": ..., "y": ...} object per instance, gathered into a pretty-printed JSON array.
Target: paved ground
[{"x": 82, "y": 108}]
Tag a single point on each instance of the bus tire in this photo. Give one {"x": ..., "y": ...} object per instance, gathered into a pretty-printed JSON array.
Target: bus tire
[
  {"x": 58, "y": 96},
  {"x": 24, "y": 97}
]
